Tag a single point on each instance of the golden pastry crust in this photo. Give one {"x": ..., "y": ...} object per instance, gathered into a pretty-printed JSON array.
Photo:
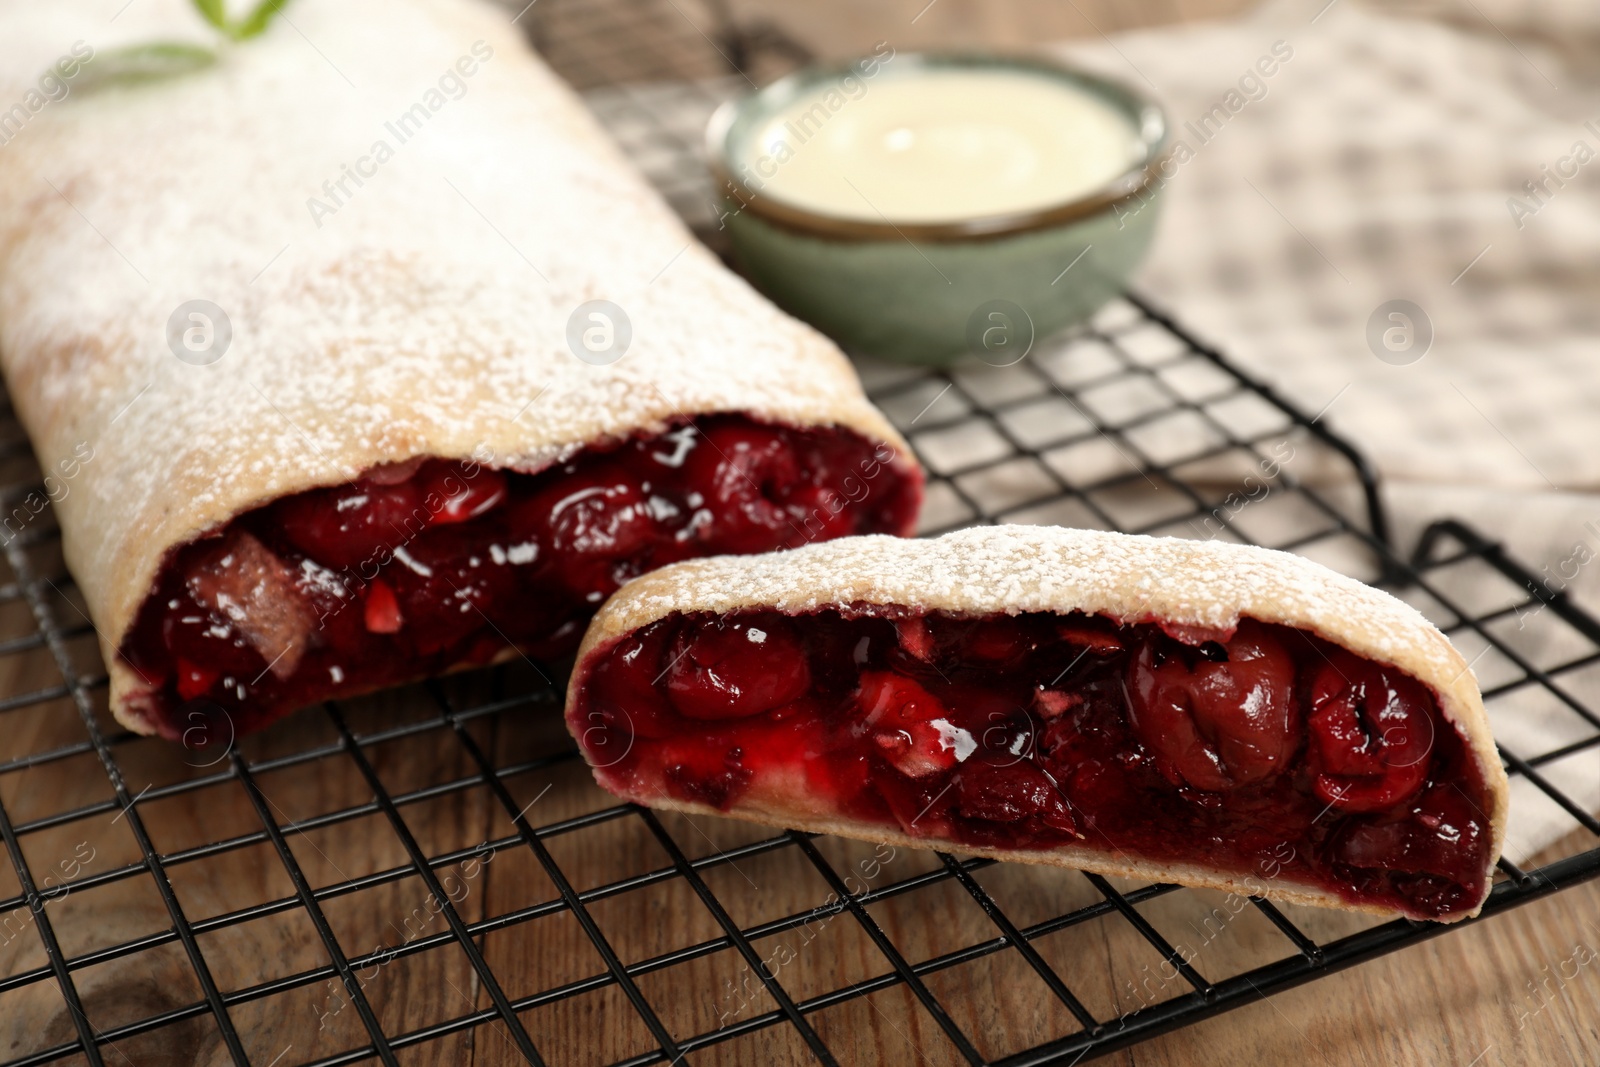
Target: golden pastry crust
[
  {"x": 425, "y": 314},
  {"x": 1015, "y": 569}
]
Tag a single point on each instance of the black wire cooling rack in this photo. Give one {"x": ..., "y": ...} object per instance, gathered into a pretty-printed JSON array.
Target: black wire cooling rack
[{"x": 429, "y": 875}]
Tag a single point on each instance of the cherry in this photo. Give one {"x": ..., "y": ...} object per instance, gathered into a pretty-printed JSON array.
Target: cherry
[
  {"x": 594, "y": 521},
  {"x": 696, "y": 772},
  {"x": 1005, "y": 731},
  {"x": 197, "y": 634},
  {"x": 998, "y": 643},
  {"x": 839, "y": 653},
  {"x": 1098, "y": 791},
  {"x": 341, "y": 635},
  {"x": 1079, "y": 736},
  {"x": 818, "y": 514},
  {"x": 847, "y": 779},
  {"x": 455, "y": 492},
  {"x": 1440, "y": 834},
  {"x": 728, "y": 669},
  {"x": 624, "y": 690},
  {"x": 910, "y": 726},
  {"x": 445, "y": 587},
  {"x": 193, "y": 680},
  {"x": 1371, "y": 734},
  {"x": 604, "y": 514},
  {"x": 381, "y": 611},
  {"x": 746, "y": 472},
  {"x": 920, "y": 807},
  {"x": 770, "y": 745},
  {"x": 1010, "y": 793},
  {"x": 352, "y": 525},
  {"x": 559, "y": 637},
  {"x": 1095, "y": 762},
  {"x": 1226, "y": 721}
]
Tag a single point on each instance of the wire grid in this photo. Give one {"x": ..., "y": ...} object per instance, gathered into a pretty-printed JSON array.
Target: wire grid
[{"x": 1128, "y": 423}]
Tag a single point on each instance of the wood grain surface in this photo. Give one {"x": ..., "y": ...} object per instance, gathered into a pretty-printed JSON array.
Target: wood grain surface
[{"x": 1520, "y": 988}]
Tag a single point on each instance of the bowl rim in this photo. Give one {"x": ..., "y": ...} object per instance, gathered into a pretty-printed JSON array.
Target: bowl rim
[{"x": 1149, "y": 117}]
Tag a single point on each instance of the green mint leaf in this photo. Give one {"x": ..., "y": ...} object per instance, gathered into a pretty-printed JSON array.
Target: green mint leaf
[
  {"x": 214, "y": 12},
  {"x": 167, "y": 59},
  {"x": 143, "y": 62},
  {"x": 257, "y": 20}
]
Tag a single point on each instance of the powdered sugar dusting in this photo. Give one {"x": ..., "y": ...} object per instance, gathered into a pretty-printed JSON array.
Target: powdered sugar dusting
[
  {"x": 427, "y": 315},
  {"x": 1046, "y": 568}
]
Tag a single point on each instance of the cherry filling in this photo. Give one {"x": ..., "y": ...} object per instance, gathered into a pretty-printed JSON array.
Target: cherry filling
[
  {"x": 419, "y": 567},
  {"x": 1035, "y": 731}
]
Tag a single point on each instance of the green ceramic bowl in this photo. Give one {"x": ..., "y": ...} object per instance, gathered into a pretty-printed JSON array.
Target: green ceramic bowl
[{"x": 935, "y": 292}]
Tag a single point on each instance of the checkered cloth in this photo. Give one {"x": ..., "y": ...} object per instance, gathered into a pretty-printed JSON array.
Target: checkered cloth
[{"x": 1386, "y": 158}]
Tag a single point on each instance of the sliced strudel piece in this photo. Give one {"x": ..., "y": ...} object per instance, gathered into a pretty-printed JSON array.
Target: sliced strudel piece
[
  {"x": 336, "y": 388},
  {"x": 1203, "y": 713}
]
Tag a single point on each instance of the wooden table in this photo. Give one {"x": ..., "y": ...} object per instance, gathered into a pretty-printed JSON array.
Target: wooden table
[{"x": 1505, "y": 991}]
